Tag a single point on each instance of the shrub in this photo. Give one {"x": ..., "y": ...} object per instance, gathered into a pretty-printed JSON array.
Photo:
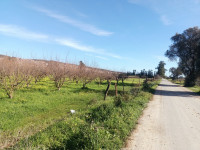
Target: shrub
[
  {"x": 100, "y": 113},
  {"x": 118, "y": 101},
  {"x": 135, "y": 91}
]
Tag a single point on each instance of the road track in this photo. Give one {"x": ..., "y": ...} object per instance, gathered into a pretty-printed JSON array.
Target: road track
[{"x": 170, "y": 122}]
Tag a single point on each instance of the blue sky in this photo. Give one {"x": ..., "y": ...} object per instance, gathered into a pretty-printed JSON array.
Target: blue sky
[{"x": 119, "y": 35}]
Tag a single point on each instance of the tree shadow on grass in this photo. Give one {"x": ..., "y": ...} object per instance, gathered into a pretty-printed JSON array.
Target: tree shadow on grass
[
  {"x": 119, "y": 83},
  {"x": 87, "y": 90},
  {"x": 126, "y": 84},
  {"x": 76, "y": 141},
  {"x": 4, "y": 98},
  {"x": 33, "y": 89},
  {"x": 102, "y": 91}
]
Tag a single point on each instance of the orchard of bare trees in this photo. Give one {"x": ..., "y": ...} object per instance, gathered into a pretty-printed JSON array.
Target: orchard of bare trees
[{"x": 16, "y": 73}]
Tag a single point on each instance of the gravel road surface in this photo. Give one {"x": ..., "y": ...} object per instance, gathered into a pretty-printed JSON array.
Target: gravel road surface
[{"x": 170, "y": 122}]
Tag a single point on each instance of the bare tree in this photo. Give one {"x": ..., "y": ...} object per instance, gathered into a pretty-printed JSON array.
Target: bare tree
[
  {"x": 40, "y": 71},
  {"x": 56, "y": 73},
  {"x": 11, "y": 75},
  {"x": 60, "y": 73},
  {"x": 100, "y": 76},
  {"x": 86, "y": 74},
  {"x": 28, "y": 71}
]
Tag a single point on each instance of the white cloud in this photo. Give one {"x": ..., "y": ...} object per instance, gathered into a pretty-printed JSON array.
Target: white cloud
[
  {"x": 81, "y": 14},
  {"x": 78, "y": 46},
  {"x": 113, "y": 55},
  {"x": 166, "y": 21},
  {"x": 101, "y": 57},
  {"x": 157, "y": 7},
  {"x": 15, "y": 31},
  {"x": 173, "y": 11},
  {"x": 97, "y": 56},
  {"x": 83, "y": 26}
]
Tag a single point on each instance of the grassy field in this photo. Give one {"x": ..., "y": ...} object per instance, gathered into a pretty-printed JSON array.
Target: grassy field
[{"x": 41, "y": 108}]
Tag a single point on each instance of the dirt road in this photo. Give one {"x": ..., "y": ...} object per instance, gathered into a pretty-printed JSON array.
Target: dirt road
[{"x": 171, "y": 121}]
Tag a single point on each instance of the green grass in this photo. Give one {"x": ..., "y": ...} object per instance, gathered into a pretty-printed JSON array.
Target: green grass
[
  {"x": 179, "y": 82},
  {"x": 195, "y": 89},
  {"x": 41, "y": 105},
  {"x": 105, "y": 126}
]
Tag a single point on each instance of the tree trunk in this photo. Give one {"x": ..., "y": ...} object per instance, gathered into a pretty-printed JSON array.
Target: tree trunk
[
  {"x": 10, "y": 94},
  {"x": 106, "y": 92},
  {"x": 115, "y": 89},
  {"x": 123, "y": 84},
  {"x": 84, "y": 85},
  {"x": 28, "y": 85},
  {"x": 36, "y": 81}
]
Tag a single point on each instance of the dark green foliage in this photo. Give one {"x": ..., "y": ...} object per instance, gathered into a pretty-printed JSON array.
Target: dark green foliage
[
  {"x": 100, "y": 113},
  {"x": 143, "y": 73},
  {"x": 135, "y": 91},
  {"x": 190, "y": 80},
  {"x": 161, "y": 69},
  {"x": 120, "y": 99},
  {"x": 175, "y": 72},
  {"x": 93, "y": 101},
  {"x": 146, "y": 86},
  {"x": 149, "y": 86},
  {"x": 134, "y": 72},
  {"x": 186, "y": 49},
  {"x": 150, "y": 74}
]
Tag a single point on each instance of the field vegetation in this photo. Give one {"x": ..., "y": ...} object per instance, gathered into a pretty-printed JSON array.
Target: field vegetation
[
  {"x": 36, "y": 98},
  {"x": 181, "y": 81}
]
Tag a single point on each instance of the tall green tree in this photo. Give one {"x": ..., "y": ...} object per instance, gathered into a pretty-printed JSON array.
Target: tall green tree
[
  {"x": 150, "y": 74},
  {"x": 161, "y": 69},
  {"x": 175, "y": 72},
  {"x": 186, "y": 49}
]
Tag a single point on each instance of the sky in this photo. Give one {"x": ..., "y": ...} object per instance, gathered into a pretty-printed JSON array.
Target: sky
[{"x": 120, "y": 35}]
